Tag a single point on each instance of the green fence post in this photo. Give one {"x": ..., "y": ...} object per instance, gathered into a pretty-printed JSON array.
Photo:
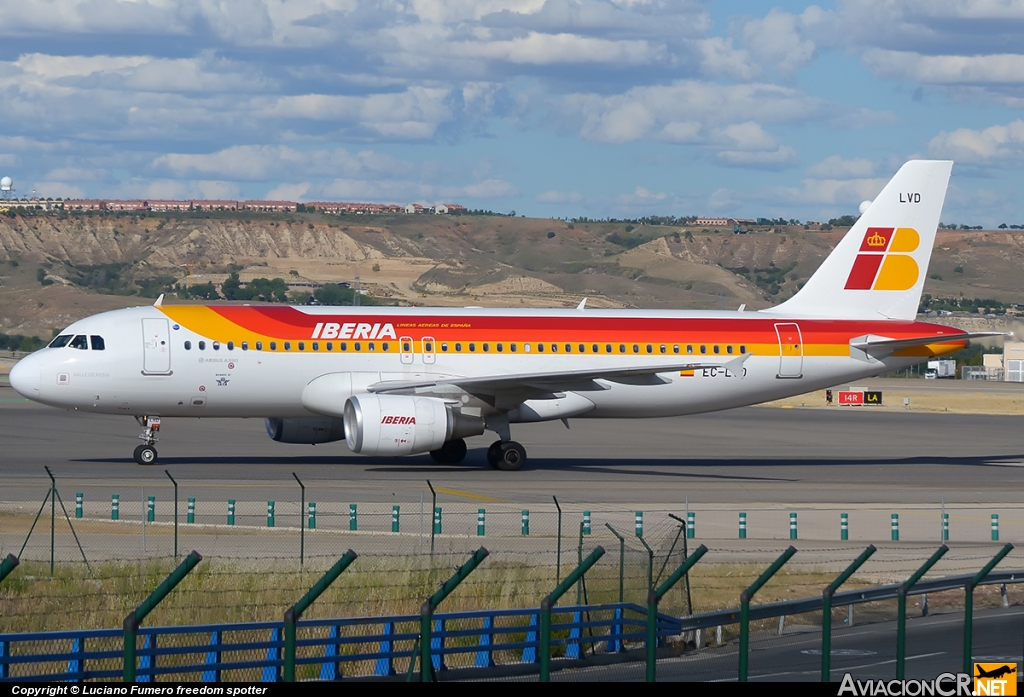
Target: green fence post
[
  {"x": 586, "y": 522},
  {"x": 115, "y": 506},
  {"x": 190, "y": 515},
  {"x": 175, "y": 513},
  {"x": 353, "y": 520},
  {"x": 622, "y": 561},
  {"x": 995, "y": 527},
  {"x": 231, "y": 511},
  {"x": 650, "y": 564},
  {"x": 826, "y": 610},
  {"x": 431, "y": 603},
  {"x": 558, "y": 546},
  {"x": 792, "y": 526},
  {"x": 526, "y": 522},
  {"x": 150, "y": 509},
  {"x": 481, "y": 520},
  {"x": 311, "y": 516},
  {"x": 7, "y": 566},
  {"x": 895, "y": 525},
  {"x": 549, "y": 602},
  {"x": 691, "y": 525},
  {"x": 945, "y": 527},
  {"x": 270, "y": 513},
  {"x": 135, "y": 618},
  {"x": 437, "y": 520},
  {"x": 901, "y": 609},
  {"x": 969, "y": 604},
  {"x": 745, "y": 607},
  {"x": 78, "y": 504},
  {"x": 844, "y": 526},
  {"x": 302, "y": 522},
  {"x": 743, "y": 525},
  {"x": 653, "y": 598},
  {"x": 639, "y": 527},
  {"x": 294, "y": 613},
  {"x": 396, "y": 514}
]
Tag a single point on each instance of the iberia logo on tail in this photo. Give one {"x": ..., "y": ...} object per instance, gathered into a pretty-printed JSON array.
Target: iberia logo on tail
[{"x": 884, "y": 262}]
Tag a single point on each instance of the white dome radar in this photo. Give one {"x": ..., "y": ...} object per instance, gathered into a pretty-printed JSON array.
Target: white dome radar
[
  {"x": 864, "y": 205},
  {"x": 6, "y": 183}
]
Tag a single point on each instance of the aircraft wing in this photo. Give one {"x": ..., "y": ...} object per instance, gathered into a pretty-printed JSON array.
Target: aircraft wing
[
  {"x": 866, "y": 343},
  {"x": 554, "y": 380}
]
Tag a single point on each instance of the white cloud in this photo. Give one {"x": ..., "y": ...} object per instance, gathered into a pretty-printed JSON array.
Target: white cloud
[
  {"x": 782, "y": 156},
  {"x": 812, "y": 192},
  {"x": 838, "y": 167},
  {"x": 547, "y": 49},
  {"x": 1002, "y": 68},
  {"x": 560, "y": 197},
  {"x": 777, "y": 40},
  {"x": 718, "y": 58},
  {"x": 995, "y": 145},
  {"x": 289, "y": 192}
]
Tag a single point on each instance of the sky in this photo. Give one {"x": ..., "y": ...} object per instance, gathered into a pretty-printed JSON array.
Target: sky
[{"x": 550, "y": 108}]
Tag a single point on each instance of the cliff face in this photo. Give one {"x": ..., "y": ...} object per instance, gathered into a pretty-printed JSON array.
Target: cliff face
[{"x": 447, "y": 260}]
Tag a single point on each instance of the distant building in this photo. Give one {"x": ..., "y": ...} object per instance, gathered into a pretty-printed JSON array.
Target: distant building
[
  {"x": 723, "y": 222},
  {"x": 440, "y": 209}
]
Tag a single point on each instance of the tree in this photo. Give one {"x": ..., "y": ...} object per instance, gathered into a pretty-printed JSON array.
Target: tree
[{"x": 231, "y": 287}]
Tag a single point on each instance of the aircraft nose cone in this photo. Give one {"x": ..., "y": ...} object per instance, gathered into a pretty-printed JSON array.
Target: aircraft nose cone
[{"x": 25, "y": 378}]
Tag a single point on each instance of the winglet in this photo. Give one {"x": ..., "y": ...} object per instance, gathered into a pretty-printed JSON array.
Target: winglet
[
  {"x": 735, "y": 366},
  {"x": 159, "y": 301},
  {"x": 582, "y": 305}
]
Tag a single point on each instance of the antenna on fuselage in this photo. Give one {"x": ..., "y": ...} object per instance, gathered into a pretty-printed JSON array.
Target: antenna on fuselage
[
  {"x": 159, "y": 301},
  {"x": 582, "y": 305}
]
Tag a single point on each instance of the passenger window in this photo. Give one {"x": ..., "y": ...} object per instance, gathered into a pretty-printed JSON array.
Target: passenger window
[
  {"x": 80, "y": 342},
  {"x": 487, "y": 347},
  {"x": 316, "y": 345},
  {"x": 259, "y": 345},
  {"x": 458, "y": 347},
  {"x": 60, "y": 341},
  {"x": 188, "y": 345},
  {"x": 287, "y": 346},
  {"x": 245, "y": 345},
  {"x": 743, "y": 349},
  {"x": 716, "y": 349},
  {"x": 583, "y": 348},
  {"x": 728, "y": 349},
  {"x": 344, "y": 346},
  {"x": 554, "y": 348},
  {"x": 231, "y": 346},
  {"x": 330, "y": 345},
  {"x": 372, "y": 346},
  {"x": 428, "y": 347},
  {"x": 444, "y": 347},
  {"x": 385, "y": 346},
  {"x": 512, "y": 348},
  {"x": 662, "y": 348},
  {"x": 703, "y": 348},
  {"x": 607, "y": 348},
  {"x": 568, "y": 348},
  {"x": 302, "y": 345},
  {"x": 500, "y": 348},
  {"x": 689, "y": 348},
  {"x": 636, "y": 349},
  {"x": 406, "y": 347},
  {"x": 540, "y": 348},
  {"x": 595, "y": 348},
  {"x": 526, "y": 348},
  {"x": 202, "y": 345},
  {"x": 273, "y": 345},
  {"x": 97, "y": 343},
  {"x": 472, "y": 347},
  {"x": 358, "y": 346},
  {"x": 216, "y": 346},
  {"x": 650, "y": 349},
  {"x": 675, "y": 348}
]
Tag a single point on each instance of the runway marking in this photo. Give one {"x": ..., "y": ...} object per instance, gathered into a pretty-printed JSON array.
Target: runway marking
[{"x": 482, "y": 498}]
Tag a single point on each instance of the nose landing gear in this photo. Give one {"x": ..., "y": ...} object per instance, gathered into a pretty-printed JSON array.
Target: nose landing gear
[{"x": 145, "y": 454}]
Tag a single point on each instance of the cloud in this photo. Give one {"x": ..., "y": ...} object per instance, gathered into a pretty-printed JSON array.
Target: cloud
[
  {"x": 812, "y": 192},
  {"x": 838, "y": 167},
  {"x": 995, "y": 145},
  {"x": 560, "y": 197},
  {"x": 777, "y": 41},
  {"x": 289, "y": 192},
  {"x": 947, "y": 70}
]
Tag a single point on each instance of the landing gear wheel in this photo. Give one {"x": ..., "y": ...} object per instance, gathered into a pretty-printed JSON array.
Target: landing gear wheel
[
  {"x": 493, "y": 453},
  {"x": 511, "y": 457},
  {"x": 451, "y": 453},
  {"x": 145, "y": 454}
]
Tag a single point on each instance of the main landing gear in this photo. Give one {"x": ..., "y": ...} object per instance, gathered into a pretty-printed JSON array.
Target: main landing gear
[
  {"x": 451, "y": 453},
  {"x": 145, "y": 454},
  {"x": 506, "y": 455}
]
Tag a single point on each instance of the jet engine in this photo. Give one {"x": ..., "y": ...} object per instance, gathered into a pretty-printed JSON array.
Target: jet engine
[
  {"x": 403, "y": 425},
  {"x": 308, "y": 431}
]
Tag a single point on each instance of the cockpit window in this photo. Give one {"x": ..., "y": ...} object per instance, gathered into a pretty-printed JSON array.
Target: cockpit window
[
  {"x": 79, "y": 342},
  {"x": 60, "y": 341},
  {"x": 97, "y": 343}
]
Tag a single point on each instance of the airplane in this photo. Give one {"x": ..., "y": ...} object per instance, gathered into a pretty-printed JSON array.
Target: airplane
[
  {"x": 403, "y": 381},
  {"x": 995, "y": 672}
]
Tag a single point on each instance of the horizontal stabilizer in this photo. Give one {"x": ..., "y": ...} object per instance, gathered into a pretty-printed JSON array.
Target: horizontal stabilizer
[{"x": 870, "y": 341}]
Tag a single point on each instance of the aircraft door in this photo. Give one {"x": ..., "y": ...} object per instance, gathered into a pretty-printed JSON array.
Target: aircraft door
[
  {"x": 156, "y": 346},
  {"x": 791, "y": 350},
  {"x": 428, "y": 350},
  {"x": 407, "y": 349}
]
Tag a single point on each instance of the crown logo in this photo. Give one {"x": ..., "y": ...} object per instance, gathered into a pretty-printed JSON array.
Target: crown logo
[{"x": 876, "y": 240}]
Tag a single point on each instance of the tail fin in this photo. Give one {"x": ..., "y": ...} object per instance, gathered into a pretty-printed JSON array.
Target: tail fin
[{"x": 878, "y": 269}]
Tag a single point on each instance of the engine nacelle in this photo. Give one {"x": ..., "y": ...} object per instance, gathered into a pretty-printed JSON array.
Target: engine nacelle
[
  {"x": 308, "y": 431},
  {"x": 403, "y": 425}
]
